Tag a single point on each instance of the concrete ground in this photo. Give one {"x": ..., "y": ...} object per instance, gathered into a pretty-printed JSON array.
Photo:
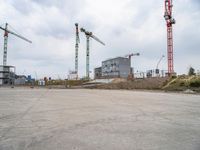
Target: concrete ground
[{"x": 48, "y": 119}]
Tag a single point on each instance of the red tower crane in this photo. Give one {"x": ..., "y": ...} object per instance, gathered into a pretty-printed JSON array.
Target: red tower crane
[{"x": 170, "y": 21}]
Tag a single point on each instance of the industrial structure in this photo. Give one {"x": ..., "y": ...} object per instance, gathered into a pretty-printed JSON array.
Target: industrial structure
[
  {"x": 76, "y": 49},
  {"x": 169, "y": 22},
  {"x": 7, "y": 75},
  {"x": 88, "y": 36},
  {"x": 6, "y": 32}
]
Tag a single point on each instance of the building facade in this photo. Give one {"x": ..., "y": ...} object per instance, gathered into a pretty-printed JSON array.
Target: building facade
[
  {"x": 118, "y": 67},
  {"x": 20, "y": 80},
  {"x": 7, "y": 75},
  {"x": 72, "y": 75},
  {"x": 98, "y": 73}
]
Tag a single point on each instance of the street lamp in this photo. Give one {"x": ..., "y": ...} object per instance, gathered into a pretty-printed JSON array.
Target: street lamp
[{"x": 157, "y": 70}]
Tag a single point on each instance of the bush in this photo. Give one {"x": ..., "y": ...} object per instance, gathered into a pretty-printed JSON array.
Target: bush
[
  {"x": 173, "y": 77},
  {"x": 195, "y": 83}
]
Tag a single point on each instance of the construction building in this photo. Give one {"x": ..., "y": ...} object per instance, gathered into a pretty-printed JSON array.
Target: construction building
[
  {"x": 118, "y": 67},
  {"x": 7, "y": 75},
  {"x": 98, "y": 73}
]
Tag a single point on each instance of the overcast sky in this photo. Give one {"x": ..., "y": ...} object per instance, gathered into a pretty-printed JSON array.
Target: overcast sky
[{"x": 125, "y": 26}]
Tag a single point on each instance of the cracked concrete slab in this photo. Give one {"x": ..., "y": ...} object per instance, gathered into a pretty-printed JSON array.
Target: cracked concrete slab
[{"x": 49, "y": 119}]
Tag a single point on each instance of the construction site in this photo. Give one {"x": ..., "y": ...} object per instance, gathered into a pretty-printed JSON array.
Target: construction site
[
  {"x": 110, "y": 72},
  {"x": 117, "y": 97}
]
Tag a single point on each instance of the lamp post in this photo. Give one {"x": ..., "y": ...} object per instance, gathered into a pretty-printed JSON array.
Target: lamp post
[{"x": 157, "y": 70}]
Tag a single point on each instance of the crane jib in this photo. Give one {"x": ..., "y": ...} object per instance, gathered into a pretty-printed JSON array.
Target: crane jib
[{"x": 19, "y": 36}]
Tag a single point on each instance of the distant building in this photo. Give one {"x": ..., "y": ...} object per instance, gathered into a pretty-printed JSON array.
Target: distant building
[
  {"x": 20, "y": 80},
  {"x": 156, "y": 73},
  {"x": 118, "y": 67},
  {"x": 98, "y": 73},
  {"x": 72, "y": 75},
  {"x": 7, "y": 75},
  {"x": 41, "y": 82}
]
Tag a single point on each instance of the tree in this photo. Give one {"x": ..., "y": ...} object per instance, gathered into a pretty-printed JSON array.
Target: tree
[{"x": 191, "y": 71}]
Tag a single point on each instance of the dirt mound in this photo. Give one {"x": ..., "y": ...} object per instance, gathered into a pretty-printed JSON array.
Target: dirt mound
[
  {"x": 149, "y": 83},
  {"x": 118, "y": 80}
]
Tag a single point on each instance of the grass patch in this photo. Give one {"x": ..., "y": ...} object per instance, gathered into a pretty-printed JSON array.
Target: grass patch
[
  {"x": 195, "y": 83},
  {"x": 182, "y": 83}
]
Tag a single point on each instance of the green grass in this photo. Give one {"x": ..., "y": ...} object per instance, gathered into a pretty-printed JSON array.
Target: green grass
[{"x": 182, "y": 83}]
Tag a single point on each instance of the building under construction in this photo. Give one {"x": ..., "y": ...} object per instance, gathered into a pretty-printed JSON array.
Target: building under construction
[
  {"x": 118, "y": 67},
  {"x": 7, "y": 75}
]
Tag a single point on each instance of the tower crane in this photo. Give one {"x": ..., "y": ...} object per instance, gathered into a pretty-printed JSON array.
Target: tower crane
[
  {"x": 130, "y": 76},
  {"x": 88, "y": 36},
  {"x": 169, "y": 22},
  {"x": 6, "y": 32},
  {"x": 76, "y": 48}
]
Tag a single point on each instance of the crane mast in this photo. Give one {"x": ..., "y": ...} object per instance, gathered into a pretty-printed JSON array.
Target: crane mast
[
  {"x": 169, "y": 22},
  {"x": 76, "y": 48},
  {"x": 88, "y": 56},
  {"x": 5, "y": 47},
  {"x": 131, "y": 76},
  {"x": 88, "y": 36}
]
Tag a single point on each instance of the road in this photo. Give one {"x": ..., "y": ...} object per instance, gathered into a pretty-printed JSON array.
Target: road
[{"x": 49, "y": 119}]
